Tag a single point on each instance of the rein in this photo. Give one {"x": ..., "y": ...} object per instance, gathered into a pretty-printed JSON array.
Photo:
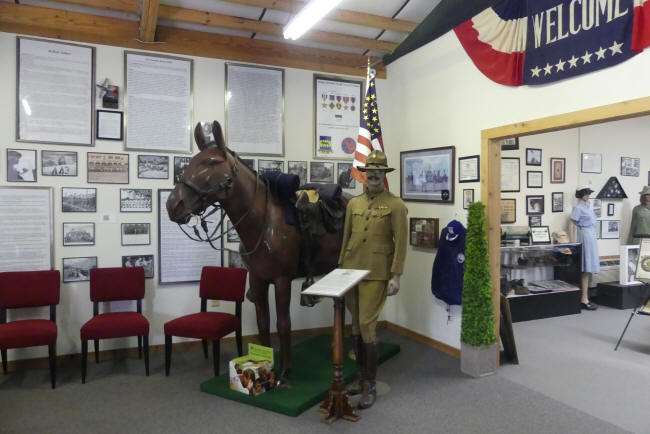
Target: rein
[{"x": 223, "y": 186}]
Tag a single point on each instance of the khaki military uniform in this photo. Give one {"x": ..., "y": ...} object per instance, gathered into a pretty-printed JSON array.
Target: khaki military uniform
[
  {"x": 374, "y": 239},
  {"x": 640, "y": 224}
]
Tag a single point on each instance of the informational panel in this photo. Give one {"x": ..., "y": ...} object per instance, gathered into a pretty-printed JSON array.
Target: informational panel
[
  {"x": 55, "y": 95},
  {"x": 182, "y": 259},
  {"x": 26, "y": 238},
  {"x": 158, "y": 102},
  {"x": 255, "y": 110},
  {"x": 337, "y": 117},
  {"x": 336, "y": 283}
]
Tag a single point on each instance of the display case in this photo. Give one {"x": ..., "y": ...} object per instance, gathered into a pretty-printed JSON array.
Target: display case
[{"x": 542, "y": 281}]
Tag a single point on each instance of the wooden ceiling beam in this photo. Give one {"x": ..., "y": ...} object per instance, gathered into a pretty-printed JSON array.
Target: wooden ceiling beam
[
  {"x": 342, "y": 15},
  {"x": 264, "y": 27},
  {"x": 148, "y": 20},
  {"x": 131, "y": 6},
  {"x": 54, "y": 23}
]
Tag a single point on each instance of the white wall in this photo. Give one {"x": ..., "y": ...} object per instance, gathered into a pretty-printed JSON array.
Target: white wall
[
  {"x": 437, "y": 97},
  {"x": 163, "y": 302}
]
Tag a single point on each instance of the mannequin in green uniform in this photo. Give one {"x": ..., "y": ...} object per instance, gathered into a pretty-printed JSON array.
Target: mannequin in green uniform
[
  {"x": 374, "y": 239},
  {"x": 640, "y": 227}
]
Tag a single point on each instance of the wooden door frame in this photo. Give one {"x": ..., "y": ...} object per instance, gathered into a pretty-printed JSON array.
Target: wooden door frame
[{"x": 491, "y": 166}]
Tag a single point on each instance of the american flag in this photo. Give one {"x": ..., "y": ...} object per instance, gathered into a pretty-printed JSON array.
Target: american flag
[{"x": 369, "y": 130}]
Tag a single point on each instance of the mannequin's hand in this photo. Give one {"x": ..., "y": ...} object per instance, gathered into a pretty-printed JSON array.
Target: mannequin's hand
[{"x": 393, "y": 285}]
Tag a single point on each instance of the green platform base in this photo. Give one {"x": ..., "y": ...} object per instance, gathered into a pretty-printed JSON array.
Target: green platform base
[{"x": 310, "y": 378}]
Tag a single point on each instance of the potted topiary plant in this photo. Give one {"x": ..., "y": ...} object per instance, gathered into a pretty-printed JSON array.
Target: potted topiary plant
[{"x": 478, "y": 355}]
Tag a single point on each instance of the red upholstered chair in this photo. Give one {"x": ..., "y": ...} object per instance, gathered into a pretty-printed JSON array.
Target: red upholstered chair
[
  {"x": 113, "y": 284},
  {"x": 217, "y": 283},
  {"x": 29, "y": 289}
]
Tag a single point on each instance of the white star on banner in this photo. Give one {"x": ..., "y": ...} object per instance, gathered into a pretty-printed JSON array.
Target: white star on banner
[
  {"x": 535, "y": 71},
  {"x": 586, "y": 58},
  {"x": 601, "y": 53},
  {"x": 547, "y": 69},
  {"x": 560, "y": 65},
  {"x": 573, "y": 61},
  {"x": 616, "y": 48}
]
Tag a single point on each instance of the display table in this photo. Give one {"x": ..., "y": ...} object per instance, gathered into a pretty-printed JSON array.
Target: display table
[
  {"x": 618, "y": 296},
  {"x": 335, "y": 285}
]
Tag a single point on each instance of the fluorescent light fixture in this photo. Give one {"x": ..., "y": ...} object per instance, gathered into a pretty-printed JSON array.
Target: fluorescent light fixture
[{"x": 307, "y": 17}]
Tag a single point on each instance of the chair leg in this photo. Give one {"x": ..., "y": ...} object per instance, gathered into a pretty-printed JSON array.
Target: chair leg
[
  {"x": 145, "y": 339},
  {"x": 3, "y": 354},
  {"x": 84, "y": 359},
  {"x": 96, "y": 345},
  {"x": 216, "y": 350},
  {"x": 168, "y": 354},
  {"x": 204, "y": 342},
  {"x": 52, "y": 354},
  {"x": 624, "y": 330},
  {"x": 139, "y": 347},
  {"x": 238, "y": 340}
]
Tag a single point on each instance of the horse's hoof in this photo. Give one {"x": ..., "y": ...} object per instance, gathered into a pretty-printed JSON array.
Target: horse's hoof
[
  {"x": 249, "y": 296},
  {"x": 283, "y": 381}
]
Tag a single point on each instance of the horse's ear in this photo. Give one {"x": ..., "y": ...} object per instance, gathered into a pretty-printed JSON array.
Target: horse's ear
[
  {"x": 199, "y": 136},
  {"x": 217, "y": 132}
]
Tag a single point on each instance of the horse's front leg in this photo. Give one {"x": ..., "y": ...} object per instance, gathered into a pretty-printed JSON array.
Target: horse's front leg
[
  {"x": 261, "y": 291},
  {"x": 282, "y": 302}
]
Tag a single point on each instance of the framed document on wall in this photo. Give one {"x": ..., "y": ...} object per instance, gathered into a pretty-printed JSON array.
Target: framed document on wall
[
  {"x": 55, "y": 93},
  {"x": 27, "y": 217},
  {"x": 158, "y": 102},
  {"x": 255, "y": 109},
  {"x": 336, "y": 117},
  {"x": 180, "y": 258}
]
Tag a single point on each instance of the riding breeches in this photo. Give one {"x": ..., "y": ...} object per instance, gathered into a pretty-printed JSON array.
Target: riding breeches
[{"x": 365, "y": 302}]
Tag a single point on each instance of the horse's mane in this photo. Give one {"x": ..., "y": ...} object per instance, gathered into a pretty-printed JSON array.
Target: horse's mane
[{"x": 240, "y": 160}]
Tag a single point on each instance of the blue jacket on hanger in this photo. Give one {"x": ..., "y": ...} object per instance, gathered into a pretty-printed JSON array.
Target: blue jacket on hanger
[{"x": 449, "y": 264}]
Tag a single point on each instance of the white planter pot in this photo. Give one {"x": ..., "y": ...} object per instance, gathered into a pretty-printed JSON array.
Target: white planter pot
[{"x": 478, "y": 361}]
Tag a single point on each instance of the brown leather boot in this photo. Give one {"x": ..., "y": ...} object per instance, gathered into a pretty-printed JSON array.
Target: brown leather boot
[
  {"x": 369, "y": 391},
  {"x": 356, "y": 387}
]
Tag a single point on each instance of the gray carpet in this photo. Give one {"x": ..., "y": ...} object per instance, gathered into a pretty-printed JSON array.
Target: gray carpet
[{"x": 427, "y": 394}]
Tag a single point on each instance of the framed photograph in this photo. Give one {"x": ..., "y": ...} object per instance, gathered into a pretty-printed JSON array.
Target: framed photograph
[
  {"x": 510, "y": 144},
  {"x": 534, "y": 179},
  {"x": 233, "y": 236},
  {"x": 180, "y": 163},
  {"x": 136, "y": 234},
  {"x": 596, "y": 206},
  {"x": 540, "y": 235},
  {"x": 558, "y": 170},
  {"x": 610, "y": 229},
  {"x": 78, "y": 269},
  {"x": 630, "y": 166},
  {"x": 158, "y": 102},
  {"x": 78, "y": 199},
  {"x": 153, "y": 167},
  {"x": 104, "y": 168},
  {"x": 250, "y": 163},
  {"x": 144, "y": 261},
  {"x": 510, "y": 174},
  {"x": 109, "y": 125},
  {"x": 266, "y": 166},
  {"x": 610, "y": 209},
  {"x": 533, "y": 157},
  {"x": 591, "y": 163},
  {"x": 468, "y": 197},
  {"x": 254, "y": 109},
  {"x": 424, "y": 232},
  {"x": 78, "y": 234},
  {"x": 21, "y": 165},
  {"x": 427, "y": 175},
  {"x": 628, "y": 263},
  {"x": 643, "y": 263},
  {"x": 534, "y": 221},
  {"x": 235, "y": 260},
  {"x": 534, "y": 205},
  {"x": 135, "y": 199},
  {"x": 298, "y": 168},
  {"x": 343, "y": 176},
  {"x": 55, "y": 92},
  {"x": 321, "y": 171},
  {"x": 469, "y": 169},
  {"x": 508, "y": 210},
  {"x": 336, "y": 116},
  {"x": 59, "y": 163},
  {"x": 557, "y": 201}
]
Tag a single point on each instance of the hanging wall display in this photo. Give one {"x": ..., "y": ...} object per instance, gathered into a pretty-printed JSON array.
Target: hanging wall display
[
  {"x": 534, "y": 205},
  {"x": 610, "y": 229},
  {"x": 55, "y": 92},
  {"x": 643, "y": 264},
  {"x": 78, "y": 269},
  {"x": 21, "y": 165},
  {"x": 108, "y": 168},
  {"x": 424, "y": 232},
  {"x": 558, "y": 170},
  {"x": 321, "y": 171},
  {"x": 298, "y": 168},
  {"x": 508, "y": 210},
  {"x": 533, "y": 157},
  {"x": 336, "y": 117},
  {"x": 255, "y": 109},
  {"x": 79, "y": 234},
  {"x": 427, "y": 175},
  {"x": 59, "y": 163},
  {"x": 534, "y": 179},
  {"x": 557, "y": 201},
  {"x": 27, "y": 219},
  {"x": 510, "y": 174},
  {"x": 630, "y": 166},
  {"x": 158, "y": 102},
  {"x": 136, "y": 234},
  {"x": 591, "y": 163},
  {"x": 181, "y": 259},
  {"x": 109, "y": 125},
  {"x": 469, "y": 169},
  {"x": 612, "y": 190},
  {"x": 343, "y": 177}
]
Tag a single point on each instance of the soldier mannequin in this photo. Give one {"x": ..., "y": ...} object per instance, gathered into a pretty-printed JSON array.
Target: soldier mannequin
[
  {"x": 374, "y": 239},
  {"x": 640, "y": 226}
]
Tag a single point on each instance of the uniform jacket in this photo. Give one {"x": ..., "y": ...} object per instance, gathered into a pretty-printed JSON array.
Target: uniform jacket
[
  {"x": 640, "y": 224},
  {"x": 375, "y": 235},
  {"x": 449, "y": 265}
]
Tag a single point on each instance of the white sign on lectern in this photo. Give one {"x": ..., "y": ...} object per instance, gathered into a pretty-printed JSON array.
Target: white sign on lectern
[{"x": 336, "y": 283}]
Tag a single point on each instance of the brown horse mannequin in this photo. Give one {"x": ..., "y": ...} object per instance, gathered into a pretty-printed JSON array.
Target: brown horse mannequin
[{"x": 269, "y": 247}]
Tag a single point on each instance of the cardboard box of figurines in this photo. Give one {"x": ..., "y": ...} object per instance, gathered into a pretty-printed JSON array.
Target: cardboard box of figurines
[{"x": 253, "y": 374}]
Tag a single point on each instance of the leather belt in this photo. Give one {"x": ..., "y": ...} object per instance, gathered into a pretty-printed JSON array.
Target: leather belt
[{"x": 641, "y": 236}]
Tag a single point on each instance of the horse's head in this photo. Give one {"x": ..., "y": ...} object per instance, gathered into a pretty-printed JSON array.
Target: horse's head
[{"x": 207, "y": 179}]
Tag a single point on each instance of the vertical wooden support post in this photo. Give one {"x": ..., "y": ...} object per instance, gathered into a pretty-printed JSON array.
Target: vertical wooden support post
[{"x": 148, "y": 20}]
